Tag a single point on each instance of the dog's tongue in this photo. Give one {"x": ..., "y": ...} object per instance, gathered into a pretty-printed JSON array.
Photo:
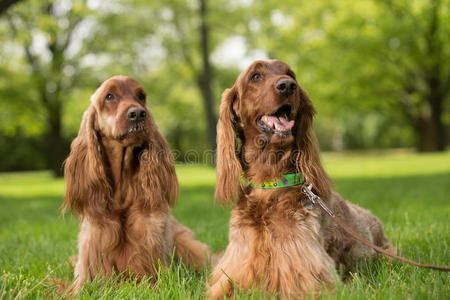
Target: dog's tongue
[{"x": 278, "y": 123}]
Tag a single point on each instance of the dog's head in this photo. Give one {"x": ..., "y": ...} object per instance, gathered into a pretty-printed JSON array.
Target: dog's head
[
  {"x": 122, "y": 114},
  {"x": 118, "y": 130},
  {"x": 265, "y": 100},
  {"x": 266, "y": 107}
]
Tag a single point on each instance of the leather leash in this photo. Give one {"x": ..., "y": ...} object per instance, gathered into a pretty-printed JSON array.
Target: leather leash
[{"x": 307, "y": 189}]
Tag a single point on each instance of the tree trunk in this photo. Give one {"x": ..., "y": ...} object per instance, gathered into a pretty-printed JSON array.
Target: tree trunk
[
  {"x": 426, "y": 141},
  {"x": 434, "y": 99},
  {"x": 176, "y": 139},
  {"x": 429, "y": 127},
  {"x": 438, "y": 125},
  {"x": 205, "y": 77},
  {"x": 55, "y": 142},
  {"x": 432, "y": 135}
]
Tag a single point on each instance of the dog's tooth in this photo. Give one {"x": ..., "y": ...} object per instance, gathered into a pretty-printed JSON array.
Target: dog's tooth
[{"x": 275, "y": 126}]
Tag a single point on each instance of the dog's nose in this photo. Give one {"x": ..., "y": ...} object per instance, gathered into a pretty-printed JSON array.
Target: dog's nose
[
  {"x": 286, "y": 86},
  {"x": 136, "y": 114}
]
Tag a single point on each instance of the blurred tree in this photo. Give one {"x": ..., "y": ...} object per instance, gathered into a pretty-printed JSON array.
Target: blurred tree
[
  {"x": 417, "y": 34},
  {"x": 377, "y": 71},
  {"x": 188, "y": 32},
  {"x": 60, "y": 50},
  {"x": 45, "y": 31},
  {"x": 395, "y": 55},
  {"x": 206, "y": 75},
  {"x": 391, "y": 57}
]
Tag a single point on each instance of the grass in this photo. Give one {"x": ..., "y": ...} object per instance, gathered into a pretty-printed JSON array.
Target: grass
[{"x": 408, "y": 192}]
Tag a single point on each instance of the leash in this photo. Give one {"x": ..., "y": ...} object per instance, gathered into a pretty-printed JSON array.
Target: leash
[
  {"x": 294, "y": 179},
  {"x": 307, "y": 189}
]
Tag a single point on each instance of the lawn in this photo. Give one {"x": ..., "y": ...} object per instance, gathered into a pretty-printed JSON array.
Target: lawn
[{"x": 408, "y": 192}]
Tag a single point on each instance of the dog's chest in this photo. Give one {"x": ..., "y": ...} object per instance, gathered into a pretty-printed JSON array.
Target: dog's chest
[
  {"x": 272, "y": 211},
  {"x": 275, "y": 221},
  {"x": 283, "y": 242},
  {"x": 126, "y": 194}
]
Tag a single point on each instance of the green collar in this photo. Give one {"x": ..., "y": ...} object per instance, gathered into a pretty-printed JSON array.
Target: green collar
[{"x": 286, "y": 181}]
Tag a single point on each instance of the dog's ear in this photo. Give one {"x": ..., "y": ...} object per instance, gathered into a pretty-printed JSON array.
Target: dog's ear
[
  {"x": 87, "y": 187},
  {"x": 229, "y": 168},
  {"x": 307, "y": 149},
  {"x": 157, "y": 171}
]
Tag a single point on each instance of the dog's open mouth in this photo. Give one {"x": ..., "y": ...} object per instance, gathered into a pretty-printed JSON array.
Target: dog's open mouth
[
  {"x": 133, "y": 129},
  {"x": 278, "y": 123}
]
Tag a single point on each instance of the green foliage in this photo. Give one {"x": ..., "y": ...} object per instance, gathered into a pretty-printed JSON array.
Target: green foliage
[
  {"x": 368, "y": 66},
  {"x": 156, "y": 43},
  {"x": 19, "y": 158},
  {"x": 408, "y": 192},
  {"x": 385, "y": 58}
]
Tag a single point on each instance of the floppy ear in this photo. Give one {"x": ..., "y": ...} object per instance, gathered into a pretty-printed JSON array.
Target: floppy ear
[
  {"x": 307, "y": 156},
  {"x": 229, "y": 168},
  {"x": 87, "y": 187},
  {"x": 157, "y": 171}
]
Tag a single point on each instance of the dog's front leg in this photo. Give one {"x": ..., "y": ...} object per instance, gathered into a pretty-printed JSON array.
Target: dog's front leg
[
  {"x": 229, "y": 268},
  {"x": 82, "y": 271},
  {"x": 92, "y": 259},
  {"x": 235, "y": 270}
]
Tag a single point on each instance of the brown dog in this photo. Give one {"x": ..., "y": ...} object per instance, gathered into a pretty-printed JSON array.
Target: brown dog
[
  {"x": 277, "y": 238},
  {"x": 121, "y": 180}
]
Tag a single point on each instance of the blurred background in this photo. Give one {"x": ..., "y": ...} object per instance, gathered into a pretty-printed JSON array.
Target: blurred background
[{"x": 378, "y": 71}]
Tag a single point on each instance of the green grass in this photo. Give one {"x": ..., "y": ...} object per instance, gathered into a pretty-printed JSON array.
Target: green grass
[{"x": 410, "y": 193}]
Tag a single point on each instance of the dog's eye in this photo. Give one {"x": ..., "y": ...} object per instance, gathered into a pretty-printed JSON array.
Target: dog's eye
[
  {"x": 290, "y": 74},
  {"x": 109, "y": 97},
  {"x": 256, "y": 77},
  {"x": 141, "y": 96}
]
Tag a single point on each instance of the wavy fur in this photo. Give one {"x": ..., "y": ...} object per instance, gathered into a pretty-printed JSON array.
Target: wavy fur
[
  {"x": 275, "y": 242},
  {"x": 122, "y": 184}
]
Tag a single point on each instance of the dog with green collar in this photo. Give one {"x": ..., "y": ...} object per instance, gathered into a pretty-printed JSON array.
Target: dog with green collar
[{"x": 269, "y": 169}]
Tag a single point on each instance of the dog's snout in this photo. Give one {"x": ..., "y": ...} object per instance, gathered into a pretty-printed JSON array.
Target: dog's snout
[
  {"x": 136, "y": 114},
  {"x": 286, "y": 86}
]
